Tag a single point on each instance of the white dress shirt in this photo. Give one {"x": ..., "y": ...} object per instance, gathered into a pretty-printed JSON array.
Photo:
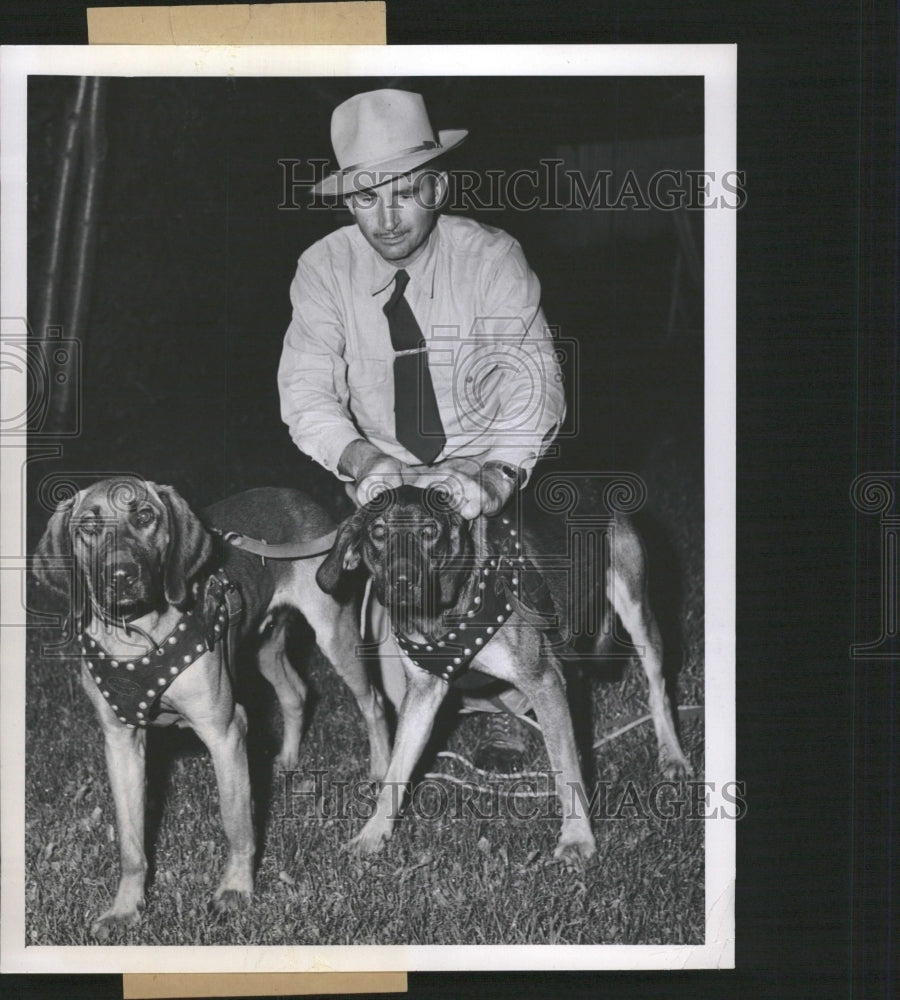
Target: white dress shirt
[{"x": 496, "y": 377}]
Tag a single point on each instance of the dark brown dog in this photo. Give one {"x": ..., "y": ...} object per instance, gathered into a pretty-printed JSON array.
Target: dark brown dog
[
  {"x": 133, "y": 564},
  {"x": 450, "y": 589}
]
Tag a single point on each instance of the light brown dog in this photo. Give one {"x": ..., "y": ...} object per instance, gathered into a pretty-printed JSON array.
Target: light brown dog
[
  {"x": 452, "y": 589},
  {"x": 135, "y": 567}
]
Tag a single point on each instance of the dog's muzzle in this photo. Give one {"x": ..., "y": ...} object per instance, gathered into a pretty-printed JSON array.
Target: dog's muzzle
[
  {"x": 404, "y": 572},
  {"x": 126, "y": 581},
  {"x": 404, "y": 585}
]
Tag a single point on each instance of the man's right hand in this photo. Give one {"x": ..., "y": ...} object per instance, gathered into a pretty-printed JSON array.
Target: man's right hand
[{"x": 372, "y": 471}]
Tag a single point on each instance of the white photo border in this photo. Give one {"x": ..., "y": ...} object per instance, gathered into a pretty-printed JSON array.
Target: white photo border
[{"x": 718, "y": 65}]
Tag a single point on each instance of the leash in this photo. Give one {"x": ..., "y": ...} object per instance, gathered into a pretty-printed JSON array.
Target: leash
[
  {"x": 285, "y": 550},
  {"x": 687, "y": 711}
]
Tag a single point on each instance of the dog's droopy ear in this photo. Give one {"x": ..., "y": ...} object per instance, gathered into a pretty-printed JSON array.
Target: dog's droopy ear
[
  {"x": 54, "y": 562},
  {"x": 455, "y": 564},
  {"x": 344, "y": 555},
  {"x": 189, "y": 548}
]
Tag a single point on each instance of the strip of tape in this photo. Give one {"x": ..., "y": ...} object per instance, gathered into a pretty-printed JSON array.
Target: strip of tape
[
  {"x": 362, "y": 22},
  {"x": 259, "y": 984}
]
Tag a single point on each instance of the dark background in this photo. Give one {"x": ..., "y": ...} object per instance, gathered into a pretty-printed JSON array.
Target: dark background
[
  {"x": 198, "y": 237},
  {"x": 817, "y": 281}
]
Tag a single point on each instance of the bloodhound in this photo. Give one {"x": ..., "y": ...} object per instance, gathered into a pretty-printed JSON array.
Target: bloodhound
[
  {"x": 464, "y": 595},
  {"x": 155, "y": 597}
]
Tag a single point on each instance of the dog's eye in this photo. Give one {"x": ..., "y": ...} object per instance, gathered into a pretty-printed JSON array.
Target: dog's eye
[
  {"x": 89, "y": 527},
  {"x": 430, "y": 531},
  {"x": 377, "y": 532},
  {"x": 144, "y": 516}
]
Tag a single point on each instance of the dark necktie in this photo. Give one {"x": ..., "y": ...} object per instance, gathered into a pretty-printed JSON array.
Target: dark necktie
[{"x": 418, "y": 422}]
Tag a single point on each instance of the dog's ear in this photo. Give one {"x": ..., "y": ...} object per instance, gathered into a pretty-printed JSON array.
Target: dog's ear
[
  {"x": 455, "y": 565},
  {"x": 344, "y": 555},
  {"x": 188, "y": 550},
  {"x": 54, "y": 561}
]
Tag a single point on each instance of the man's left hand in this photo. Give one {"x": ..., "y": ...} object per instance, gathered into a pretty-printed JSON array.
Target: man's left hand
[{"x": 473, "y": 490}]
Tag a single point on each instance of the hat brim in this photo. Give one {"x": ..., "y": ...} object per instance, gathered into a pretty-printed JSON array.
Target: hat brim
[{"x": 368, "y": 176}]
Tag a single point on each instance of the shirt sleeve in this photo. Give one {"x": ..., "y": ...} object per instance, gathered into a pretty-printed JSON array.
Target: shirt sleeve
[
  {"x": 533, "y": 405},
  {"x": 312, "y": 373}
]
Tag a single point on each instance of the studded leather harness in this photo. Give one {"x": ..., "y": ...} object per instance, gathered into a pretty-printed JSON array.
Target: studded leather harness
[
  {"x": 134, "y": 685},
  {"x": 503, "y": 577}
]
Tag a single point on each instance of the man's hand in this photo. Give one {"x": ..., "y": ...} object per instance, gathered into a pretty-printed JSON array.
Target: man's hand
[
  {"x": 498, "y": 483},
  {"x": 373, "y": 472},
  {"x": 473, "y": 490}
]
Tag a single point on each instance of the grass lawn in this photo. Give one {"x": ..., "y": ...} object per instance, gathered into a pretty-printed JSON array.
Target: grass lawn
[{"x": 462, "y": 867}]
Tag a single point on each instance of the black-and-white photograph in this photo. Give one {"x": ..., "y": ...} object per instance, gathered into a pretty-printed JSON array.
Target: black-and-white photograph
[{"x": 376, "y": 450}]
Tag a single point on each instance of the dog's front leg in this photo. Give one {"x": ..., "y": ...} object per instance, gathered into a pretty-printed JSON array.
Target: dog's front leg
[
  {"x": 548, "y": 698},
  {"x": 424, "y": 694},
  {"x": 125, "y": 762},
  {"x": 229, "y": 757},
  {"x": 204, "y": 697},
  {"x": 337, "y": 634},
  {"x": 228, "y": 749},
  {"x": 537, "y": 673}
]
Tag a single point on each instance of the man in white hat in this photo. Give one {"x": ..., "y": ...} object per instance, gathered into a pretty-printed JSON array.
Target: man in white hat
[{"x": 418, "y": 352}]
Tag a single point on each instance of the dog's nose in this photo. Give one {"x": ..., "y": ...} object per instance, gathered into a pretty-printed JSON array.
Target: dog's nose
[
  {"x": 125, "y": 573},
  {"x": 128, "y": 572}
]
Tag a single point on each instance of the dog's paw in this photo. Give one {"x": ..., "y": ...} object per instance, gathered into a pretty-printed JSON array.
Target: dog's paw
[
  {"x": 575, "y": 851},
  {"x": 286, "y": 762},
  {"x": 229, "y": 901},
  {"x": 377, "y": 771},
  {"x": 675, "y": 767},
  {"x": 113, "y": 921},
  {"x": 367, "y": 842}
]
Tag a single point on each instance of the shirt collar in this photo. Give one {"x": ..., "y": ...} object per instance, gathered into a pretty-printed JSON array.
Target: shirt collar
[{"x": 421, "y": 272}]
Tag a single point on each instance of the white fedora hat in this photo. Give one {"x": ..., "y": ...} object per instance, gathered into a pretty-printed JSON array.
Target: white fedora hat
[{"x": 379, "y": 135}]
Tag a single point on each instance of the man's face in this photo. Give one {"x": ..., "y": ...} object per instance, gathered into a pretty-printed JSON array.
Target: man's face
[{"x": 396, "y": 218}]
